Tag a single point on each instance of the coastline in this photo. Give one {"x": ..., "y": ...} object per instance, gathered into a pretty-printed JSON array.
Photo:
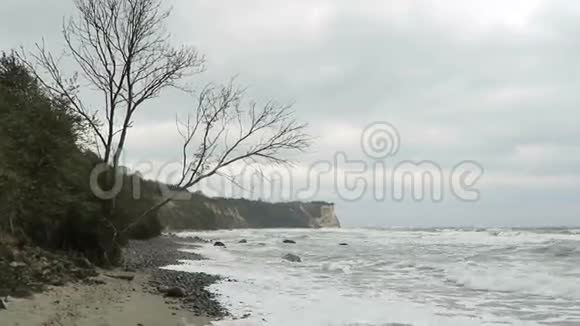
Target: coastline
[{"x": 132, "y": 295}]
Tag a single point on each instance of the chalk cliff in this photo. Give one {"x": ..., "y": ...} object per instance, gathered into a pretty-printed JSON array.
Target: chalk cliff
[{"x": 201, "y": 212}]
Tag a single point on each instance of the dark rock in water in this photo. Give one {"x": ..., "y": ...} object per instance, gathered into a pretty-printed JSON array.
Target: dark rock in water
[
  {"x": 243, "y": 241},
  {"x": 343, "y": 244},
  {"x": 219, "y": 244},
  {"x": 175, "y": 292},
  {"x": 292, "y": 258},
  {"x": 289, "y": 241},
  {"x": 261, "y": 244}
]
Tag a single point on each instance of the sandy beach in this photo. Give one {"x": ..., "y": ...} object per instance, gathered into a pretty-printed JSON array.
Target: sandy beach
[
  {"x": 130, "y": 295},
  {"x": 115, "y": 302}
]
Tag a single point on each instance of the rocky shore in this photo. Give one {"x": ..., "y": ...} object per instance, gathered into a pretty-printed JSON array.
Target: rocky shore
[
  {"x": 190, "y": 289},
  {"x": 64, "y": 290},
  {"x": 25, "y": 270}
]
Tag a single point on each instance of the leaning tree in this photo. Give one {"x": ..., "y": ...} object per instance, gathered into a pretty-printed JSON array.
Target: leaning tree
[{"x": 122, "y": 49}]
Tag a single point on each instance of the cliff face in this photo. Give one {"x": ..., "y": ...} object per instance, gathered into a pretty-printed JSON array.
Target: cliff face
[{"x": 201, "y": 212}]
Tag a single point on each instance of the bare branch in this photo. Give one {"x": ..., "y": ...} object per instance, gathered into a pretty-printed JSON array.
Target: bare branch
[
  {"x": 122, "y": 49},
  {"x": 264, "y": 134}
]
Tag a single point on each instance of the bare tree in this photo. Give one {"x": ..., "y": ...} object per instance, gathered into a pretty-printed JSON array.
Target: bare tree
[
  {"x": 224, "y": 130},
  {"x": 122, "y": 49}
]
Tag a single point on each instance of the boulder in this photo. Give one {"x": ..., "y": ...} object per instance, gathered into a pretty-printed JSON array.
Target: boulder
[
  {"x": 219, "y": 244},
  {"x": 243, "y": 241},
  {"x": 292, "y": 258},
  {"x": 289, "y": 241},
  {"x": 175, "y": 292},
  {"x": 343, "y": 244}
]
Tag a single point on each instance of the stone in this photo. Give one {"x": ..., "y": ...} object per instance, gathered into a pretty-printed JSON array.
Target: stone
[
  {"x": 343, "y": 244},
  {"x": 289, "y": 241},
  {"x": 219, "y": 244},
  {"x": 17, "y": 264},
  {"x": 175, "y": 292},
  {"x": 292, "y": 258},
  {"x": 243, "y": 241}
]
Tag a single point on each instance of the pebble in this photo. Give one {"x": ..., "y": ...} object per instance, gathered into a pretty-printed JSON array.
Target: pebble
[{"x": 152, "y": 254}]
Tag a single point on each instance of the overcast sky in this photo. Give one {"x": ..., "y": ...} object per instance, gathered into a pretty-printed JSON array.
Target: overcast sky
[{"x": 495, "y": 82}]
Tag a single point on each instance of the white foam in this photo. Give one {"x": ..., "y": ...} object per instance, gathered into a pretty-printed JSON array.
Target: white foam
[
  {"x": 275, "y": 297},
  {"x": 390, "y": 276},
  {"x": 516, "y": 279}
]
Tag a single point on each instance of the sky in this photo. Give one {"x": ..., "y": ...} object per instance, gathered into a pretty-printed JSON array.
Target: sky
[{"x": 492, "y": 86}]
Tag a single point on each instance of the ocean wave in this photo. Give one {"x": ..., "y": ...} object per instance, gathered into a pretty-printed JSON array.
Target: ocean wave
[
  {"x": 420, "y": 277},
  {"x": 559, "y": 248},
  {"x": 514, "y": 281},
  {"x": 336, "y": 267}
]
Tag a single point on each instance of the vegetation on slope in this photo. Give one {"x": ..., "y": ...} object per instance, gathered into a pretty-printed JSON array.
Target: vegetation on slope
[
  {"x": 46, "y": 127},
  {"x": 45, "y": 196}
]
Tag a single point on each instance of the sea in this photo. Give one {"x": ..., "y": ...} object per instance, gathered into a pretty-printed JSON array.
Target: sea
[{"x": 395, "y": 276}]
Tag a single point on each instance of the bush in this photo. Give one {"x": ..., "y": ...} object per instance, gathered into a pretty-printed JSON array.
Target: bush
[{"x": 44, "y": 175}]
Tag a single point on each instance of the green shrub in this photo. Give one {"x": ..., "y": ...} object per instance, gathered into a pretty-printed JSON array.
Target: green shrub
[{"x": 44, "y": 175}]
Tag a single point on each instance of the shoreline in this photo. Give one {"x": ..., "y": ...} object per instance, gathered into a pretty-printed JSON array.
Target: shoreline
[{"x": 135, "y": 294}]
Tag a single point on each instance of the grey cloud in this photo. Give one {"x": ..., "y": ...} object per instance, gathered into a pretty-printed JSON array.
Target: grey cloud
[{"x": 494, "y": 90}]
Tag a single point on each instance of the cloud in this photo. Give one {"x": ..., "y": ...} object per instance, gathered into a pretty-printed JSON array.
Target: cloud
[{"x": 490, "y": 81}]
